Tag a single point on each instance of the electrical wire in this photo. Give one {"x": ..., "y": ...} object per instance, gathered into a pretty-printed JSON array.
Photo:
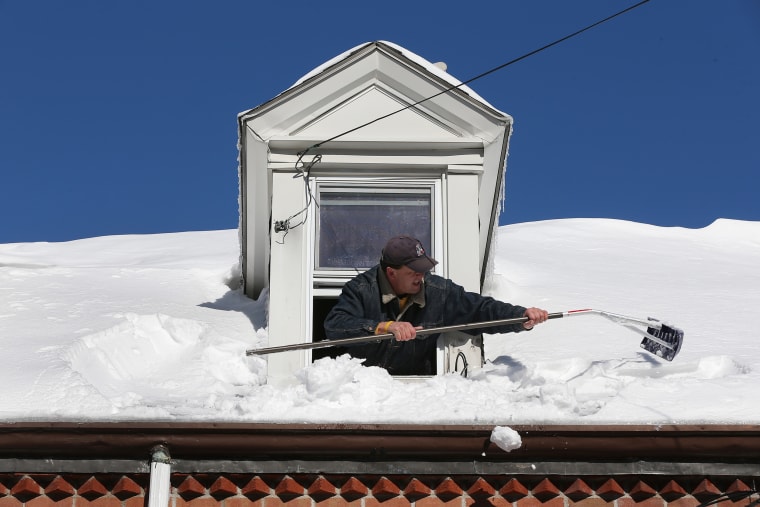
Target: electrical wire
[
  {"x": 304, "y": 169},
  {"x": 481, "y": 75},
  {"x": 463, "y": 357}
]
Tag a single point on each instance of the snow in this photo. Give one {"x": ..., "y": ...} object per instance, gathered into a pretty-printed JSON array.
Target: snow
[
  {"x": 506, "y": 438},
  {"x": 428, "y": 66},
  {"x": 155, "y": 327}
]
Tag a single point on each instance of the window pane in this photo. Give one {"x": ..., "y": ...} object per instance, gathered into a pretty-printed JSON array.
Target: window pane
[{"x": 355, "y": 224}]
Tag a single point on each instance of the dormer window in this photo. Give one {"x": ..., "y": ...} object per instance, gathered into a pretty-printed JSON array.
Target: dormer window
[{"x": 434, "y": 171}]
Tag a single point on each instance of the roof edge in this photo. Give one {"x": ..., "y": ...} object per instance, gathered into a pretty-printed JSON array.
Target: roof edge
[{"x": 372, "y": 442}]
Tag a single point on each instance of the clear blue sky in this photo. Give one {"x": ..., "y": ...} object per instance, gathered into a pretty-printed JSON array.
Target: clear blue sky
[{"x": 120, "y": 117}]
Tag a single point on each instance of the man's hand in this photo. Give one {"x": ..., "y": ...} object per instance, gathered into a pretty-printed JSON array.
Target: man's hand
[
  {"x": 535, "y": 316},
  {"x": 403, "y": 331}
]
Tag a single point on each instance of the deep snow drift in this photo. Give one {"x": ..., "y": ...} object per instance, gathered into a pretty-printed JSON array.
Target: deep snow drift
[{"x": 153, "y": 328}]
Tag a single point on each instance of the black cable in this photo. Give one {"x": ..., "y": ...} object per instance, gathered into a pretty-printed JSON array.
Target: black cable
[
  {"x": 491, "y": 71},
  {"x": 285, "y": 225},
  {"x": 463, "y": 357},
  {"x": 301, "y": 172}
]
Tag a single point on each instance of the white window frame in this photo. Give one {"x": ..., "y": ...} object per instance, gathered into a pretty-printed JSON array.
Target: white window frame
[{"x": 327, "y": 282}]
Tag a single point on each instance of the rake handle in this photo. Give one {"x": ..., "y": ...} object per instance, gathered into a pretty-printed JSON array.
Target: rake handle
[{"x": 386, "y": 336}]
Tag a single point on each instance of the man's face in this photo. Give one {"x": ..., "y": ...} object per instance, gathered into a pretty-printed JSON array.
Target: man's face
[{"x": 405, "y": 280}]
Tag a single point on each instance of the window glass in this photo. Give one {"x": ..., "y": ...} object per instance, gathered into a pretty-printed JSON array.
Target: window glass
[{"x": 355, "y": 223}]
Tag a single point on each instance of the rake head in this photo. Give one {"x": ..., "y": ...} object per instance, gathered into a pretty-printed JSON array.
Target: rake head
[{"x": 662, "y": 340}]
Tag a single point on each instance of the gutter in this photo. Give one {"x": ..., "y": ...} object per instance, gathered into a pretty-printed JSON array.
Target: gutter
[{"x": 253, "y": 447}]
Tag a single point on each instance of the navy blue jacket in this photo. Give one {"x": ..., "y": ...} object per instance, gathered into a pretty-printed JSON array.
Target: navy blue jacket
[{"x": 360, "y": 309}]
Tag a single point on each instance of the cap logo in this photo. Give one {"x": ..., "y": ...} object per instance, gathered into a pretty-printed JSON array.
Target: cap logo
[{"x": 420, "y": 251}]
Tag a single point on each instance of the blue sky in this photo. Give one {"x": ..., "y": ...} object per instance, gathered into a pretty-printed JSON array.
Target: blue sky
[{"x": 120, "y": 117}]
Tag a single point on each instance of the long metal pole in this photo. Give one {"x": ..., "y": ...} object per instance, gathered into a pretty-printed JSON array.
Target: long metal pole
[
  {"x": 386, "y": 336},
  {"x": 669, "y": 337}
]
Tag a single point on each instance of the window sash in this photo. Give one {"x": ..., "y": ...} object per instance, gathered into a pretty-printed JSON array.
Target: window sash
[{"x": 355, "y": 221}]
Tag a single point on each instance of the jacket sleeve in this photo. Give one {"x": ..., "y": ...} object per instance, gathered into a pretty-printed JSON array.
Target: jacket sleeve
[
  {"x": 350, "y": 316},
  {"x": 470, "y": 307}
]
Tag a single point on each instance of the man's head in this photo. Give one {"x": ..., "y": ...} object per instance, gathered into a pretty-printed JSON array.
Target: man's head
[{"x": 405, "y": 263}]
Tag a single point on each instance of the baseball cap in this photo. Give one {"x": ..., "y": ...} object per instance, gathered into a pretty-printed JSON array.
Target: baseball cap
[{"x": 407, "y": 251}]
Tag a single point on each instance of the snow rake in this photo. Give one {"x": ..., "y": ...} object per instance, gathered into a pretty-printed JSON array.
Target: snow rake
[{"x": 659, "y": 339}]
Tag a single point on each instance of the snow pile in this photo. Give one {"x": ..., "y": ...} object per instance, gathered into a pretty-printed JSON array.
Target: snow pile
[
  {"x": 505, "y": 438},
  {"x": 155, "y": 328}
]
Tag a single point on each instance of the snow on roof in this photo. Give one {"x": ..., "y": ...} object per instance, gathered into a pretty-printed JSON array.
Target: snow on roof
[
  {"x": 147, "y": 328},
  {"x": 422, "y": 62}
]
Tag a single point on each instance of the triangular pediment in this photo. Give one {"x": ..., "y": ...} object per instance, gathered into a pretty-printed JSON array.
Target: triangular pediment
[
  {"x": 382, "y": 115},
  {"x": 376, "y": 82}
]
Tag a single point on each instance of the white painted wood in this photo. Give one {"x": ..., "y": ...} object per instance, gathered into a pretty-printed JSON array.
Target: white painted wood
[
  {"x": 457, "y": 350},
  {"x": 462, "y": 247},
  {"x": 289, "y": 291},
  {"x": 387, "y": 158},
  {"x": 254, "y": 202}
]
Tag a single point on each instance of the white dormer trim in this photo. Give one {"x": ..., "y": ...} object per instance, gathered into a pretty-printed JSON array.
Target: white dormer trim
[{"x": 454, "y": 131}]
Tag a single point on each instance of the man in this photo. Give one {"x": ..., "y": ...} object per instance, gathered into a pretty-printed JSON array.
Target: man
[{"x": 401, "y": 296}]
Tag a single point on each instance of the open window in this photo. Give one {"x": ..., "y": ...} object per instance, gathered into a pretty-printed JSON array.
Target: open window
[{"x": 354, "y": 219}]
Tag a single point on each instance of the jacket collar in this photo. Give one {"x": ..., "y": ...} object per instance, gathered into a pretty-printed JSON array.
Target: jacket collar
[{"x": 386, "y": 291}]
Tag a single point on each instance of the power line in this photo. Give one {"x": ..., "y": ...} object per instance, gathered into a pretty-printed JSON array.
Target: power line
[
  {"x": 486, "y": 73},
  {"x": 302, "y": 168}
]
